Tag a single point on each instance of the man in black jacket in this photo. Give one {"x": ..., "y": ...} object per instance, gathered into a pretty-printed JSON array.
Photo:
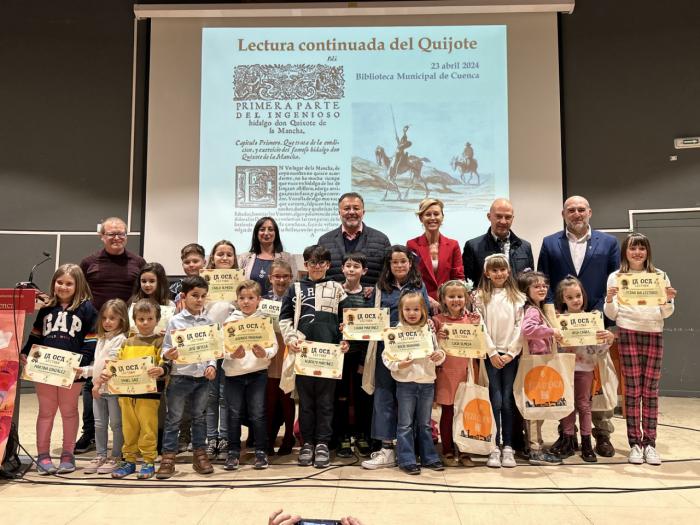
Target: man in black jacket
[
  {"x": 355, "y": 236},
  {"x": 499, "y": 239}
]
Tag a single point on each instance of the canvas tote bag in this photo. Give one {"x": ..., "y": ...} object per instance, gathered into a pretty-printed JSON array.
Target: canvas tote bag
[
  {"x": 544, "y": 385},
  {"x": 370, "y": 367},
  {"x": 605, "y": 384},
  {"x": 473, "y": 427},
  {"x": 288, "y": 375}
]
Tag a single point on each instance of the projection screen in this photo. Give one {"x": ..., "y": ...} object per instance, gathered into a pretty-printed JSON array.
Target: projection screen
[{"x": 278, "y": 116}]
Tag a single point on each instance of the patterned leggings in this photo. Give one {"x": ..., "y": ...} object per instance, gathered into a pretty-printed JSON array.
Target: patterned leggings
[{"x": 640, "y": 358}]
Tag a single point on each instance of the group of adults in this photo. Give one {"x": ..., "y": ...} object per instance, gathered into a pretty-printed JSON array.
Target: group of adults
[{"x": 576, "y": 250}]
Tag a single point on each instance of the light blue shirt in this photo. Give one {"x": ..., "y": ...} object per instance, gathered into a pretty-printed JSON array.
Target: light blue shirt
[{"x": 186, "y": 320}]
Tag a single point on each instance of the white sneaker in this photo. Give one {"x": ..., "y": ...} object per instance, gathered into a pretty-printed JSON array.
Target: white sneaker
[
  {"x": 636, "y": 456},
  {"x": 494, "y": 460},
  {"x": 383, "y": 458},
  {"x": 108, "y": 466},
  {"x": 94, "y": 465},
  {"x": 508, "y": 460},
  {"x": 651, "y": 456}
]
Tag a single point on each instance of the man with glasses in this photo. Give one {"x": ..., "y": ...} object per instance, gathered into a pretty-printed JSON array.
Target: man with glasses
[
  {"x": 591, "y": 256},
  {"x": 111, "y": 273},
  {"x": 353, "y": 235}
]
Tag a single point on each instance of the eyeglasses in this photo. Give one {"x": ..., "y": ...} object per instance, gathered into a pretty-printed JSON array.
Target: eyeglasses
[
  {"x": 115, "y": 235},
  {"x": 316, "y": 263}
]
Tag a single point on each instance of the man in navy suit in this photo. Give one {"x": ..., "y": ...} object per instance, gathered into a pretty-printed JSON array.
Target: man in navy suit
[{"x": 591, "y": 256}]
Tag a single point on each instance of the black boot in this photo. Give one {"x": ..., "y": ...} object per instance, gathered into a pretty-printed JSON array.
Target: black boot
[
  {"x": 567, "y": 449},
  {"x": 559, "y": 443},
  {"x": 587, "y": 453},
  {"x": 603, "y": 447}
]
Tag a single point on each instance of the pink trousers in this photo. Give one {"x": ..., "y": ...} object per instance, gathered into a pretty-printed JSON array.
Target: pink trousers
[
  {"x": 51, "y": 400},
  {"x": 582, "y": 404}
]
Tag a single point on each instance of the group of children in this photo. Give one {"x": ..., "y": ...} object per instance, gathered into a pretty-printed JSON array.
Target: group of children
[{"x": 212, "y": 400}]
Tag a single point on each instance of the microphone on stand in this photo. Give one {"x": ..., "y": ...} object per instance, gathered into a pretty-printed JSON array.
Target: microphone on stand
[{"x": 29, "y": 283}]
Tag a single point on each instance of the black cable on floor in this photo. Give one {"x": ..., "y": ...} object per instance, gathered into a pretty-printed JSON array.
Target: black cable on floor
[
  {"x": 436, "y": 488},
  {"x": 666, "y": 425},
  {"x": 292, "y": 482}
]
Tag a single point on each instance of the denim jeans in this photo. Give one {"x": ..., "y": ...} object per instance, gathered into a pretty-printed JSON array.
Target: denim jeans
[
  {"x": 180, "y": 389},
  {"x": 217, "y": 407},
  {"x": 502, "y": 401},
  {"x": 107, "y": 409},
  {"x": 246, "y": 394},
  {"x": 415, "y": 406},
  {"x": 384, "y": 415}
]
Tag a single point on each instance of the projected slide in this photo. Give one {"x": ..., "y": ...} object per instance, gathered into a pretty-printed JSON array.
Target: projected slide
[{"x": 293, "y": 117}]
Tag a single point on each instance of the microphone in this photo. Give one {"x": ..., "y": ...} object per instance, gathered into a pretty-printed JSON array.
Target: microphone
[{"x": 29, "y": 283}]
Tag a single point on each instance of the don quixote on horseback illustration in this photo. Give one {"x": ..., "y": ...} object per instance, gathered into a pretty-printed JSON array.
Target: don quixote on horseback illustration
[
  {"x": 466, "y": 163},
  {"x": 402, "y": 162}
]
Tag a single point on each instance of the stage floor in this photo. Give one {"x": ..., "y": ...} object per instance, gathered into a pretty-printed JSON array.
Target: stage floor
[{"x": 611, "y": 491}]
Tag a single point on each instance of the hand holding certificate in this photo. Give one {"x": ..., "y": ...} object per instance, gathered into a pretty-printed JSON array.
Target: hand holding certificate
[
  {"x": 319, "y": 360},
  {"x": 131, "y": 376},
  {"x": 51, "y": 366},
  {"x": 166, "y": 313},
  {"x": 641, "y": 289},
  {"x": 402, "y": 343},
  {"x": 247, "y": 333},
  {"x": 464, "y": 340},
  {"x": 579, "y": 329},
  {"x": 364, "y": 324},
  {"x": 222, "y": 284},
  {"x": 270, "y": 308},
  {"x": 198, "y": 344}
]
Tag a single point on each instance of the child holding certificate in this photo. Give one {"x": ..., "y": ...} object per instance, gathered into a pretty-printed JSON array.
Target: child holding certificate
[
  {"x": 140, "y": 411},
  {"x": 640, "y": 331},
  {"x": 112, "y": 331},
  {"x": 500, "y": 304},
  {"x": 279, "y": 406},
  {"x": 540, "y": 337},
  {"x": 415, "y": 391},
  {"x": 399, "y": 274},
  {"x": 310, "y": 311},
  {"x": 67, "y": 322},
  {"x": 570, "y": 297},
  {"x": 455, "y": 307},
  {"x": 245, "y": 381},
  {"x": 188, "y": 382},
  {"x": 221, "y": 257},
  {"x": 349, "y": 392},
  {"x": 193, "y": 259}
]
